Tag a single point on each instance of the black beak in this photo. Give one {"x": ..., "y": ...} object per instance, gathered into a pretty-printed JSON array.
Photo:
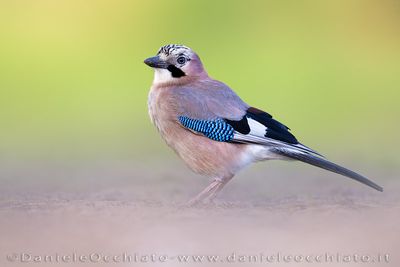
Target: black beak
[{"x": 156, "y": 62}]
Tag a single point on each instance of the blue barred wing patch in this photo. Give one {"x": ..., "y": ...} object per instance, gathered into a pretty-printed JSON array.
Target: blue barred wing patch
[{"x": 217, "y": 129}]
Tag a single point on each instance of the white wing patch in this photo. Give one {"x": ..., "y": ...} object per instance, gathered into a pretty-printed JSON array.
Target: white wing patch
[
  {"x": 256, "y": 128},
  {"x": 257, "y": 136}
]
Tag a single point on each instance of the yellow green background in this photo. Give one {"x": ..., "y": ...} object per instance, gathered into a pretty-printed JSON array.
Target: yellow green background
[{"x": 73, "y": 83}]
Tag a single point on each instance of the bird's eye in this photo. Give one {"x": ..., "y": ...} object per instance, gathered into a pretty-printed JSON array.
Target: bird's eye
[{"x": 181, "y": 60}]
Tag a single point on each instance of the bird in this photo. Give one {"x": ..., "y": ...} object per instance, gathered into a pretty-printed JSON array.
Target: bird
[{"x": 213, "y": 130}]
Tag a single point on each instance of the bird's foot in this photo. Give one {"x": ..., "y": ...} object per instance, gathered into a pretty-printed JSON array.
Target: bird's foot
[
  {"x": 194, "y": 203},
  {"x": 207, "y": 196}
]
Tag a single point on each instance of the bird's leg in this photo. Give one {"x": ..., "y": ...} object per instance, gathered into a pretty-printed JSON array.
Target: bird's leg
[
  {"x": 213, "y": 194},
  {"x": 203, "y": 194},
  {"x": 211, "y": 191}
]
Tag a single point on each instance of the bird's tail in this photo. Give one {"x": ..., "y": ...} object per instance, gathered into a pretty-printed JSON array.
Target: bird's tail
[{"x": 324, "y": 164}]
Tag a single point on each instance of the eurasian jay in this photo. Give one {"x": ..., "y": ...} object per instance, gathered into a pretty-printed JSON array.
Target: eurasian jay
[{"x": 214, "y": 132}]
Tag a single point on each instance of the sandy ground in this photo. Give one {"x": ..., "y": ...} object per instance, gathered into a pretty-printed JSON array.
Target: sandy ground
[{"x": 273, "y": 214}]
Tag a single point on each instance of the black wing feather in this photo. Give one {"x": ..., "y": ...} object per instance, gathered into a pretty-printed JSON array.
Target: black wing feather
[
  {"x": 241, "y": 126},
  {"x": 275, "y": 129}
]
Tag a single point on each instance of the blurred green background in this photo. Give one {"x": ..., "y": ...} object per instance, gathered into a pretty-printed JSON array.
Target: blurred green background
[{"x": 73, "y": 83}]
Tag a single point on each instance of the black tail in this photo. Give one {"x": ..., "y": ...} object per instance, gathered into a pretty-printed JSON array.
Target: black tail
[{"x": 325, "y": 164}]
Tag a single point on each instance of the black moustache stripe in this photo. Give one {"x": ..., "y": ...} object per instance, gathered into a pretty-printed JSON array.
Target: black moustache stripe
[{"x": 175, "y": 72}]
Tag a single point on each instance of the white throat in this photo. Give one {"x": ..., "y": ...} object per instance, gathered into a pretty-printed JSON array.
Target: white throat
[{"x": 162, "y": 76}]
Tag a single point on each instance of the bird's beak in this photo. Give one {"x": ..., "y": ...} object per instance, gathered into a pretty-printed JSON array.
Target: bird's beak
[{"x": 156, "y": 62}]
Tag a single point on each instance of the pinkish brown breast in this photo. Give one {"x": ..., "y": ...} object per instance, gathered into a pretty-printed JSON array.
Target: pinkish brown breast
[{"x": 201, "y": 154}]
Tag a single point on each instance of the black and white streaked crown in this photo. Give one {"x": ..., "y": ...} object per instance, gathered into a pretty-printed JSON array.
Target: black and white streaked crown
[{"x": 168, "y": 49}]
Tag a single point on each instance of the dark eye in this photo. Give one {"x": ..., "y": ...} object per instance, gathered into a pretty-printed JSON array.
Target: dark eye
[{"x": 181, "y": 60}]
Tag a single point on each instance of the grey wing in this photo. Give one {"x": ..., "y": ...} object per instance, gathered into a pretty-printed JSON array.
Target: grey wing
[
  {"x": 214, "y": 110},
  {"x": 212, "y": 100},
  {"x": 209, "y": 100}
]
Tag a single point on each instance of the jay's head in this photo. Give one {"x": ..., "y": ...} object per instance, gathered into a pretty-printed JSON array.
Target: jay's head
[{"x": 176, "y": 63}]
